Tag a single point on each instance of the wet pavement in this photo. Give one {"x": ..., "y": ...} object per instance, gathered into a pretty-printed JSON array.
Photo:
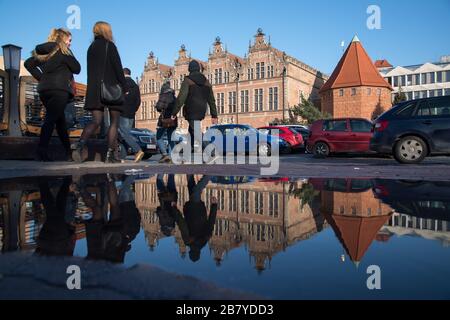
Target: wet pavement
[{"x": 195, "y": 236}]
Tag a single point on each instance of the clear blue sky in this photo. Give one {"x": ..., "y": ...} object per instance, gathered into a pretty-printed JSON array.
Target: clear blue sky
[{"x": 413, "y": 31}]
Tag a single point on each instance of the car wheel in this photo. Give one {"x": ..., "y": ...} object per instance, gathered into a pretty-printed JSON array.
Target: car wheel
[
  {"x": 147, "y": 156},
  {"x": 264, "y": 150},
  {"x": 309, "y": 149},
  {"x": 410, "y": 150},
  {"x": 321, "y": 150}
]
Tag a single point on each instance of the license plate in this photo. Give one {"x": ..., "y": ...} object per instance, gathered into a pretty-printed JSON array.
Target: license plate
[{"x": 151, "y": 146}]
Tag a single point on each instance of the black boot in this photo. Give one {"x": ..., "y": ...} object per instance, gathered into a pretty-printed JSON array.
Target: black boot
[
  {"x": 42, "y": 155},
  {"x": 77, "y": 151},
  {"x": 111, "y": 157}
]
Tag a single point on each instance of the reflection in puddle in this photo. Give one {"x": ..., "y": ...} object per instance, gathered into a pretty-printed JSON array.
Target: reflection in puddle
[{"x": 290, "y": 231}]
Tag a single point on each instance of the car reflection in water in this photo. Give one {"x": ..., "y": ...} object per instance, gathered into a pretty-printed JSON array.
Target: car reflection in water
[{"x": 284, "y": 228}]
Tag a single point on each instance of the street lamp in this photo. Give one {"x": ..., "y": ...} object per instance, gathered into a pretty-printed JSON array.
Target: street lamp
[{"x": 11, "y": 56}]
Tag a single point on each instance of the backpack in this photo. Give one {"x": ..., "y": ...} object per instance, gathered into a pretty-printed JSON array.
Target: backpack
[{"x": 165, "y": 99}]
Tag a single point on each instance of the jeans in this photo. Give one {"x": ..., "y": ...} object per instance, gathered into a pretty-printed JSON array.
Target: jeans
[
  {"x": 170, "y": 187},
  {"x": 125, "y": 126},
  {"x": 125, "y": 193},
  {"x": 196, "y": 189},
  {"x": 160, "y": 139}
]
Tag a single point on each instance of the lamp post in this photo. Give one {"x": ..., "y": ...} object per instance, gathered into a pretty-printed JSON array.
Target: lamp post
[
  {"x": 284, "y": 88},
  {"x": 11, "y": 55}
]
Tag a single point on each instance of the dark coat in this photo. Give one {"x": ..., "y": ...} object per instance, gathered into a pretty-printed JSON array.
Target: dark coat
[
  {"x": 132, "y": 99},
  {"x": 195, "y": 95},
  {"x": 166, "y": 105},
  {"x": 112, "y": 72},
  {"x": 54, "y": 73}
]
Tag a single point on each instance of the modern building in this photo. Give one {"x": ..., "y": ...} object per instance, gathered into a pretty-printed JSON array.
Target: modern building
[
  {"x": 255, "y": 89},
  {"x": 355, "y": 88},
  {"x": 419, "y": 81}
]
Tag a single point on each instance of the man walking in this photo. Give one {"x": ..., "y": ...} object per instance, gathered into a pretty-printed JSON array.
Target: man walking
[
  {"x": 195, "y": 95},
  {"x": 130, "y": 107}
]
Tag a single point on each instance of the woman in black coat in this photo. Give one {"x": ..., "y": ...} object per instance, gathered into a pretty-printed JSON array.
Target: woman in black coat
[
  {"x": 54, "y": 65},
  {"x": 103, "y": 62}
]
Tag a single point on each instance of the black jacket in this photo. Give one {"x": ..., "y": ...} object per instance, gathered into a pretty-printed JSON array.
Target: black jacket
[
  {"x": 166, "y": 105},
  {"x": 55, "y": 73},
  {"x": 196, "y": 94},
  {"x": 112, "y": 72},
  {"x": 132, "y": 99}
]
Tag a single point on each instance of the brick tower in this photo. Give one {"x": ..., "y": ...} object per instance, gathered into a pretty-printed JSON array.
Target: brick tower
[{"x": 356, "y": 89}]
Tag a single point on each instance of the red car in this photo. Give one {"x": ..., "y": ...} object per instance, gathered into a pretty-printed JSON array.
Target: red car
[
  {"x": 339, "y": 136},
  {"x": 289, "y": 135}
]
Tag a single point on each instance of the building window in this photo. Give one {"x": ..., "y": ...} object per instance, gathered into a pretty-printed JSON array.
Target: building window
[
  {"x": 447, "y": 92},
  {"x": 447, "y": 76},
  {"x": 439, "y": 77},
  {"x": 259, "y": 203},
  {"x": 389, "y": 80},
  {"x": 259, "y": 99},
  {"x": 227, "y": 77},
  {"x": 220, "y": 76},
  {"x": 221, "y": 102},
  {"x": 232, "y": 102},
  {"x": 245, "y": 203},
  {"x": 263, "y": 70},
  {"x": 424, "y": 78},
  {"x": 369, "y": 91},
  {"x": 270, "y": 73},
  {"x": 396, "y": 81},
  {"x": 341, "y": 92},
  {"x": 378, "y": 92},
  {"x": 216, "y": 76},
  {"x": 353, "y": 91},
  {"x": 250, "y": 73},
  {"x": 244, "y": 101},
  {"x": 273, "y": 205},
  {"x": 273, "y": 98},
  {"x": 258, "y": 70}
]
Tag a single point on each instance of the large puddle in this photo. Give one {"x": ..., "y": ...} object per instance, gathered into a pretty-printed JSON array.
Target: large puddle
[{"x": 278, "y": 238}]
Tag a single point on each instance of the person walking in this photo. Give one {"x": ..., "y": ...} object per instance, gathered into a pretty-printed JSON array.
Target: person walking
[
  {"x": 166, "y": 124},
  {"x": 104, "y": 68},
  {"x": 53, "y": 65},
  {"x": 130, "y": 107},
  {"x": 196, "y": 94}
]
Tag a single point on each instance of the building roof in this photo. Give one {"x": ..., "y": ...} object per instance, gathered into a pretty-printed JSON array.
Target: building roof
[
  {"x": 355, "y": 69},
  {"x": 382, "y": 64},
  {"x": 356, "y": 233}
]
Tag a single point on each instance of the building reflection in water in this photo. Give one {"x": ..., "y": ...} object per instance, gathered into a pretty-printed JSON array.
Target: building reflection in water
[{"x": 262, "y": 216}]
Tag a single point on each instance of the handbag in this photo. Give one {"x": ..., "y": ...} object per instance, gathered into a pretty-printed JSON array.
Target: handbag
[
  {"x": 110, "y": 94},
  {"x": 169, "y": 123}
]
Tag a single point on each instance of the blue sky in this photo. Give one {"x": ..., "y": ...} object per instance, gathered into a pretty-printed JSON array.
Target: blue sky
[{"x": 412, "y": 31}]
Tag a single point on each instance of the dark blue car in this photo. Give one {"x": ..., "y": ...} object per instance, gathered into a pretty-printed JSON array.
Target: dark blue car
[
  {"x": 413, "y": 130},
  {"x": 244, "y": 139}
]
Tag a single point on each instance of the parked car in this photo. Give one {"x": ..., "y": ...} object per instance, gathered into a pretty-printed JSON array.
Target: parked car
[
  {"x": 413, "y": 130},
  {"x": 347, "y": 135},
  {"x": 290, "y": 135},
  {"x": 421, "y": 199},
  {"x": 146, "y": 140},
  {"x": 260, "y": 146}
]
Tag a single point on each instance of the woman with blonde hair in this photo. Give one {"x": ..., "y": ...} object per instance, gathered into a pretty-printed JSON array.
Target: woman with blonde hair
[
  {"x": 104, "y": 69},
  {"x": 53, "y": 65}
]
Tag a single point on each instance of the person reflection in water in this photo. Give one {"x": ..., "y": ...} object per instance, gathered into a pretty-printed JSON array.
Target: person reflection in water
[
  {"x": 167, "y": 211},
  {"x": 196, "y": 227},
  {"x": 57, "y": 236},
  {"x": 109, "y": 237}
]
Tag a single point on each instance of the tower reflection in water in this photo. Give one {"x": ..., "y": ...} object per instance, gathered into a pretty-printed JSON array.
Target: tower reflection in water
[{"x": 263, "y": 216}]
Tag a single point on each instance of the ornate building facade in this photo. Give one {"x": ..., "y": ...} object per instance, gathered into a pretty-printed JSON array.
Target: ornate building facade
[
  {"x": 261, "y": 216},
  {"x": 255, "y": 89}
]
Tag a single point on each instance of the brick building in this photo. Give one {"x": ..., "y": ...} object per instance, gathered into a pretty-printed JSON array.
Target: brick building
[
  {"x": 254, "y": 90},
  {"x": 356, "y": 88}
]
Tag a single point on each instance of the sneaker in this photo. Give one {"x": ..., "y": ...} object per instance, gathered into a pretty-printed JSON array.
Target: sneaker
[
  {"x": 164, "y": 159},
  {"x": 138, "y": 157}
]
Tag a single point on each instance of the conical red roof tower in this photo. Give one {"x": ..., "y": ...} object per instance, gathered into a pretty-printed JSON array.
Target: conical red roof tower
[{"x": 355, "y": 88}]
